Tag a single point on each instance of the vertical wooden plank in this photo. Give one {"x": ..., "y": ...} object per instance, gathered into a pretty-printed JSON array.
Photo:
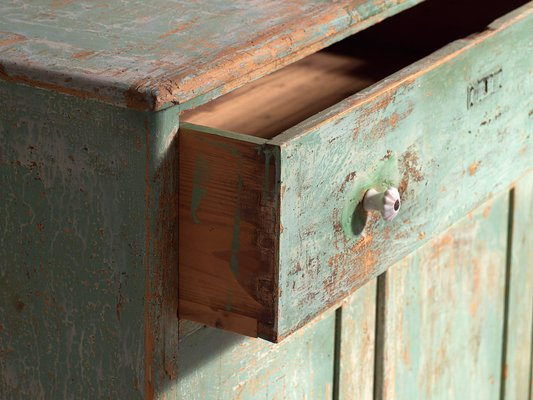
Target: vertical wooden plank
[
  {"x": 216, "y": 364},
  {"x": 357, "y": 346},
  {"x": 444, "y": 313},
  {"x": 517, "y": 361},
  {"x": 161, "y": 330}
]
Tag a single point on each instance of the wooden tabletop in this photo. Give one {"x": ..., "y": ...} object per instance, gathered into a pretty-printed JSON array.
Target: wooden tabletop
[{"x": 151, "y": 55}]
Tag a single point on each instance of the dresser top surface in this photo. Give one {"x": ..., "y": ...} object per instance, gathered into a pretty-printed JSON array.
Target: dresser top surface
[{"x": 151, "y": 55}]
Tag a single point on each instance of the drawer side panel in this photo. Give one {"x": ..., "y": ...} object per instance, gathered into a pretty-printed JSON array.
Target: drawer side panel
[{"x": 228, "y": 231}]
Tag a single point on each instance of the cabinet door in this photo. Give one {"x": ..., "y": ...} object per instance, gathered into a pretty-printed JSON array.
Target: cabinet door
[
  {"x": 441, "y": 332},
  {"x": 356, "y": 337}
]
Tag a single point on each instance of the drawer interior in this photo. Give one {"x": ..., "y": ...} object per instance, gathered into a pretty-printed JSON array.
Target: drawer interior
[{"x": 276, "y": 102}]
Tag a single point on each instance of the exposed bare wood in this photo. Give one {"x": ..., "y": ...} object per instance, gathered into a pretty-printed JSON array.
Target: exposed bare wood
[
  {"x": 281, "y": 100},
  {"x": 228, "y": 231}
]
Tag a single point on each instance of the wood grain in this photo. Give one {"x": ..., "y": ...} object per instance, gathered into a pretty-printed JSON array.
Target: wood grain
[
  {"x": 431, "y": 129},
  {"x": 281, "y": 100},
  {"x": 88, "y": 275},
  {"x": 222, "y": 365},
  {"x": 228, "y": 230}
]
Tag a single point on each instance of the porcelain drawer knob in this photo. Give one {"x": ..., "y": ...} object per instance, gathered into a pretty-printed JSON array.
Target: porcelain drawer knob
[{"x": 387, "y": 203}]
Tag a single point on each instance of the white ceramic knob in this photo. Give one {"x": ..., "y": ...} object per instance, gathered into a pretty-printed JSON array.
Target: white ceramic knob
[{"x": 387, "y": 203}]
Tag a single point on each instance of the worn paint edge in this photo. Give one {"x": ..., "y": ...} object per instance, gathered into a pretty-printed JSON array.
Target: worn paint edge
[
  {"x": 222, "y": 133},
  {"x": 271, "y": 333},
  {"x": 152, "y": 93},
  {"x": 148, "y": 333}
]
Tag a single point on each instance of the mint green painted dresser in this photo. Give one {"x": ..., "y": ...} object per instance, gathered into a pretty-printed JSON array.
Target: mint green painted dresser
[{"x": 186, "y": 199}]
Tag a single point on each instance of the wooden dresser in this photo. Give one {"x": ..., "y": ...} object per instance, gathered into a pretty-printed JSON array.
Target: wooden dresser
[{"x": 186, "y": 205}]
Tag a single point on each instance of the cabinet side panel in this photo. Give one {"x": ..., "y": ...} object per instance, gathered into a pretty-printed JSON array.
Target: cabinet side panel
[
  {"x": 520, "y": 294},
  {"x": 444, "y": 313},
  {"x": 72, "y": 247}
]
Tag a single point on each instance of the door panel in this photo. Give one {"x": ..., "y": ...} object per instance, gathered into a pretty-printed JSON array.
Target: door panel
[
  {"x": 443, "y": 315},
  {"x": 436, "y": 331}
]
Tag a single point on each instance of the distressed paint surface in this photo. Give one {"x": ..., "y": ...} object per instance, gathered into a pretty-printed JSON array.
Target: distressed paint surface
[
  {"x": 357, "y": 345},
  {"x": 88, "y": 247},
  {"x": 151, "y": 55},
  {"x": 517, "y": 362},
  {"x": 443, "y": 313},
  {"x": 222, "y": 365},
  {"x": 87, "y": 264},
  {"x": 448, "y": 156}
]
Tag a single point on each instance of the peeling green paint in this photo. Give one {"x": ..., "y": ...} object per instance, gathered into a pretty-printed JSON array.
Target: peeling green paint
[
  {"x": 443, "y": 313},
  {"x": 420, "y": 115}
]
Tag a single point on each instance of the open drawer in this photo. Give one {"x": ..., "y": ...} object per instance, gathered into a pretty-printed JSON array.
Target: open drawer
[{"x": 271, "y": 227}]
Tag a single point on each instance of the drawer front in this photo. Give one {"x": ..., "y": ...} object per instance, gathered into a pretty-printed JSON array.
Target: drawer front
[
  {"x": 271, "y": 232},
  {"x": 450, "y": 132}
]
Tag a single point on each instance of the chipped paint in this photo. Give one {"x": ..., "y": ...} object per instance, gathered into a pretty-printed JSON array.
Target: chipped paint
[
  {"x": 7, "y": 38},
  {"x": 441, "y": 307},
  {"x": 79, "y": 186},
  {"x": 383, "y": 175},
  {"x": 473, "y": 167},
  {"x": 149, "y": 390},
  {"x": 518, "y": 329},
  {"x": 247, "y": 369},
  {"x": 78, "y": 212}
]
